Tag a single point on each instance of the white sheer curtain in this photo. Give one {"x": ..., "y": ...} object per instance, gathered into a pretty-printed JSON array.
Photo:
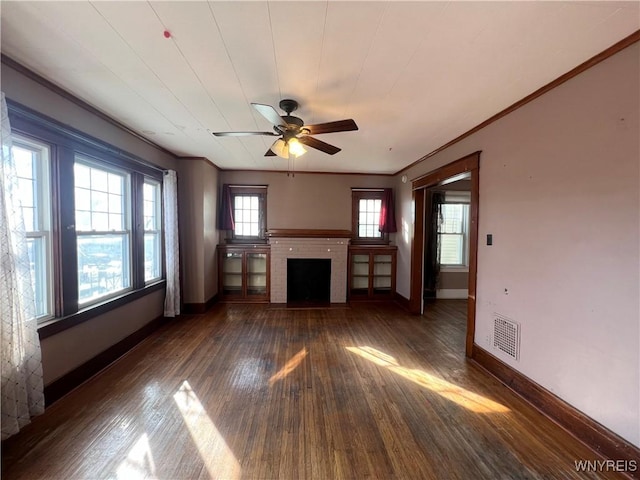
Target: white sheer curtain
[
  {"x": 171, "y": 243},
  {"x": 22, "y": 389}
]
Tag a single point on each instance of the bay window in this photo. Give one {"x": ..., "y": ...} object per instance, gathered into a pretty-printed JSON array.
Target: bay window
[{"x": 92, "y": 218}]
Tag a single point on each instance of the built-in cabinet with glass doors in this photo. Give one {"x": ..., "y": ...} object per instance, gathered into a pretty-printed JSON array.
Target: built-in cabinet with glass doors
[
  {"x": 372, "y": 272},
  {"x": 244, "y": 273}
]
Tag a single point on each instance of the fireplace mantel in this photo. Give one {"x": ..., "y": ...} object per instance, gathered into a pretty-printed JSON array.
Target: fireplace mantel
[{"x": 307, "y": 233}]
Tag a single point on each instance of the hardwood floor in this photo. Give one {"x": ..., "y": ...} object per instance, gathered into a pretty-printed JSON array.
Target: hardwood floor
[{"x": 256, "y": 392}]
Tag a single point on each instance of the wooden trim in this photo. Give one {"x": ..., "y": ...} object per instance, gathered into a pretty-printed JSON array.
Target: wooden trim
[
  {"x": 65, "y": 384},
  {"x": 460, "y": 166},
  {"x": 307, "y": 233},
  {"x": 612, "y": 50},
  {"x": 417, "y": 253},
  {"x": 200, "y": 308},
  {"x": 587, "y": 430},
  {"x": 469, "y": 163},
  {"x": 402, "y": 301},
  {"x": 200, "y": 159},
  {"x": 473, "y": 256},
  {"x": 288, "y": 173},
  {"x": 11, "y": 63}
]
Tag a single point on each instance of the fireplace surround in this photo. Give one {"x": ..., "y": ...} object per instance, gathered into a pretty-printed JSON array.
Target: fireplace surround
[{"x": 309, "y": 244}]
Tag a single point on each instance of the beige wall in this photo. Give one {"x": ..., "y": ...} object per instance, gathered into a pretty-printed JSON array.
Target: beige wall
[
  {"x": 198, "y": 198},
  {"x": 560, "y": 192},
  {"x": 69, "y": 349},
  {"x": 320, "y": 201}
]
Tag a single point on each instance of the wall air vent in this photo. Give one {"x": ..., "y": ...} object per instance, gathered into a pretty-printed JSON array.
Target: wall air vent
[{"x": 506, "y": 336}]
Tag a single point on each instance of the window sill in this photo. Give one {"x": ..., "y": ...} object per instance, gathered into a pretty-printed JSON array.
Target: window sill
[
  {"x": 56, "y": 325},
  {"x": 450, "y": 269}
]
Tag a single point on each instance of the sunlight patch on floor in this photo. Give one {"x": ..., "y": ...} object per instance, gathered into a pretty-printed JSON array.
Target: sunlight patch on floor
[
  {"x": 139, "y": 463},
  {"x": 289, "y": 367},
  {"x": 217, "y": 456},
  {"x": 461, "y": 396}
]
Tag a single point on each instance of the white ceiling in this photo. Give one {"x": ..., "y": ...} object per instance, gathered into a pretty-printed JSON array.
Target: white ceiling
[{"x": 413, "y": 75}]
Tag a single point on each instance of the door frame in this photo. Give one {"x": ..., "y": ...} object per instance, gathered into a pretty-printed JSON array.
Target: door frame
[{"x": 468, "y": 164}]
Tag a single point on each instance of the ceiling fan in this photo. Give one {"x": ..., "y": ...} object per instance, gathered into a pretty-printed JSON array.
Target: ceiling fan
[{"x": 293, "y": 132}]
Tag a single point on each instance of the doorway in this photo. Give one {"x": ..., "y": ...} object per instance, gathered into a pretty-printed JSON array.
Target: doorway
[{"x": 465, "y": 167}]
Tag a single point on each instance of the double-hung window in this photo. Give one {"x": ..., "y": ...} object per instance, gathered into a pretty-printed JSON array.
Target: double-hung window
[
  {"x": 453, "y": 233},
  {"x": 32, "y": 167},
  {"x": 103, "y": 228},
  {"x": 152, "y": 231}
]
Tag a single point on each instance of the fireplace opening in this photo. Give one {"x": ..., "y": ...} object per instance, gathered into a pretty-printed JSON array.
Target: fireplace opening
[{"x": 308, "y": 281}]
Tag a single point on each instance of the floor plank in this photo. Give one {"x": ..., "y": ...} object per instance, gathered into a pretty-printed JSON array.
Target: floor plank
[{"x": 247, "y": 391}]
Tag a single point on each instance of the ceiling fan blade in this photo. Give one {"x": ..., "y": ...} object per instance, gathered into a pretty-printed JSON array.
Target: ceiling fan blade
[
  {"x": 242, "y": 134},
  {"x": 319, "y": 145},
  {"x": 270, "y": 153},
  {"x": 330, "y": 127},
  {"x": 268, "y": 112}
]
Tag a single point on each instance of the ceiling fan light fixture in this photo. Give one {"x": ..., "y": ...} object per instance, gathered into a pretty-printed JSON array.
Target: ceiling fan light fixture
[
  {"x": 280, "y": 148},
  {"x": 295, "y": 148},
  {"x": 286, "y": 149}
]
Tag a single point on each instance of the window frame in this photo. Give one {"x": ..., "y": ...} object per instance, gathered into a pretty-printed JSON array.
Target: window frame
[
  {"x": 259, "y": 191},
  {"x": 127, "y": 232},
  {"x": 42, "y": 181},
  {"x": 159, "y": 230},
  {"x": 65, "y": 143},
  {"x": 358, "y": 194},
  {"x": 464, "y": 266}
]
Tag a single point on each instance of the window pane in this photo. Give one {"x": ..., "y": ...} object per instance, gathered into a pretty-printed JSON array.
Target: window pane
[
  {"x": 115, "y": 203},
  {"x": 151, "y": 256},
  {"x": 103, "y": 265},
  {"x": 116, "y": 184},
  {"x": 451, "y": 249},
  {"x": 37, "y": 261},
  {"x": 369, "y": 218},
  {"x": 82, "y": 176},
  {"x": 100, "y": 221},
  {"x": 99, "y": 180},
  {"x": 99, "y": 201},
  {"x": 23, "y": 159},
  {"x": 29, "y": 218},
  {"x": 97, "y": 210},
  {"x": 247, "y": 215},
  {"x": 83, "y": 198}
]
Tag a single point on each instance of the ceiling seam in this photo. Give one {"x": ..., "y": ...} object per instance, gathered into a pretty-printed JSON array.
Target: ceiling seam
[
  {"x": 275, "y": 57},
  {"x": 151, "y": 70},
  {"x": 235, "y": 72},
  {"x": 324, "y": 31},
  {"x": 366, "y": 57}
]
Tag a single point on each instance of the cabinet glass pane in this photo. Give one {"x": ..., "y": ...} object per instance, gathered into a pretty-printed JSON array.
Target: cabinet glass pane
[
  {"x": 232, "y": 263},
  {"x": 381, "y": 283},
  {"x": 257, "y": 284},
  {"x": 257, "y": 263},
  {"x": 360, "y": 265},
  {"x": 360, "y": 283}
]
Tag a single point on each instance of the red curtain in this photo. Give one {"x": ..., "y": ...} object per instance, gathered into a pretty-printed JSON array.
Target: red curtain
[
  {"x": 387, "y": 212},
  {"x": 225, "y": 212}
]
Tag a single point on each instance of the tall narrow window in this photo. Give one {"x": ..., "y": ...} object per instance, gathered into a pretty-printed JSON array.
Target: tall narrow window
[
  {"x": 453, "y": 234},
  {"x": 102, "y": 203},
  {"x": 152, "y": 231},
  {"x": 32, "y": 165}
]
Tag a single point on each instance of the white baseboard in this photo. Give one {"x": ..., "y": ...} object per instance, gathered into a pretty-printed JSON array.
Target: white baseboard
[{"x": 453, "y": 293}]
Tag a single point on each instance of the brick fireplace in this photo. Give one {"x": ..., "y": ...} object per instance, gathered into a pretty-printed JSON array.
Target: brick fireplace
[{"x": 310, "y": 244}]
